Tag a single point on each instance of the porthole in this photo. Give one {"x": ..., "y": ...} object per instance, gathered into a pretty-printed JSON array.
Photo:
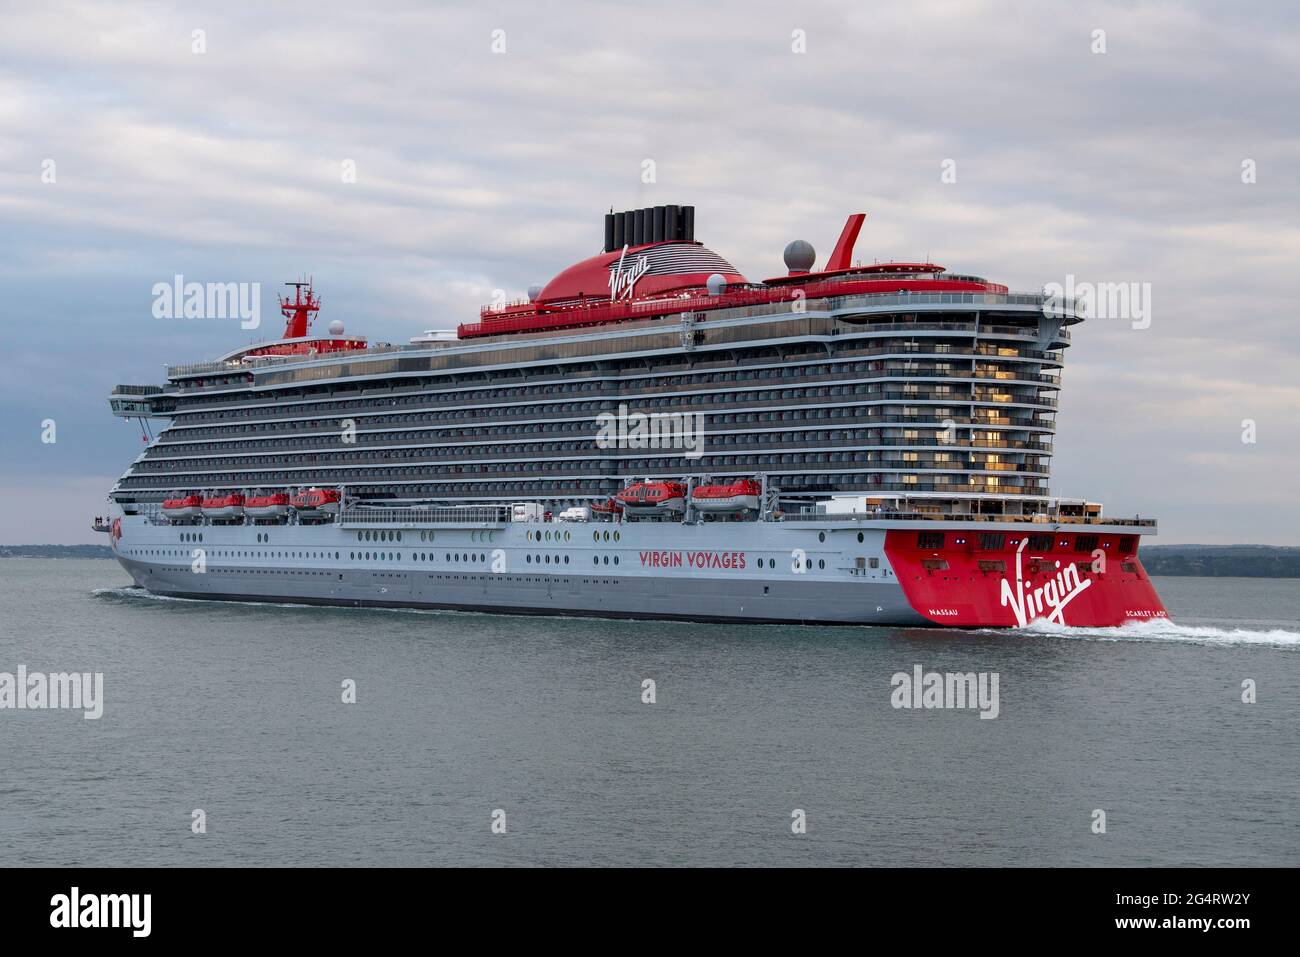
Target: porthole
[
  {"x": 860, "y": 537},
  {"x": 606, "y": 534},
  {"x": 595, "y": 536},
  {"x": 821, "y": 563},
  {"x": 616, "y": 536},
  {"x": 821, "y": 536}
]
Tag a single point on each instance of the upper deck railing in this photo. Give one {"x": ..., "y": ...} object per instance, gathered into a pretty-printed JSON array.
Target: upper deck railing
[
  {"x": 708, "y": 307},
  {"x": 734, "y": 305},
  {"x": 812, "y": 514}
]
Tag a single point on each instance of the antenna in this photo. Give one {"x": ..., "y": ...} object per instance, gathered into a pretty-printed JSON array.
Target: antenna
[{"x": 299, "y": 311}]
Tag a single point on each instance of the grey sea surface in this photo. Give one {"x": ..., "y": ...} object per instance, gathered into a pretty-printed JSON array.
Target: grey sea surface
[{"x": 236, "y": 709}]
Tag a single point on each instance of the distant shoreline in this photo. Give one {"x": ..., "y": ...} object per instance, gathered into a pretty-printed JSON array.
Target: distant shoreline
[{"x": 1201, "y": 561}]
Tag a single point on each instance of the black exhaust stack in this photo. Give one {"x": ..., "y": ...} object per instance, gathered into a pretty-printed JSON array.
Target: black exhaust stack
[{"x": 652, "y": 224}]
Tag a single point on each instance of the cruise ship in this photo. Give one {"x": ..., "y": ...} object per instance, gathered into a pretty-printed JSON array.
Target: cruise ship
[{"x": 648, "y": 435}]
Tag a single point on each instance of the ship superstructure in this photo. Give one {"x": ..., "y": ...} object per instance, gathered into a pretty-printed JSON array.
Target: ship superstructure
[{"x": 809, "y": 436}]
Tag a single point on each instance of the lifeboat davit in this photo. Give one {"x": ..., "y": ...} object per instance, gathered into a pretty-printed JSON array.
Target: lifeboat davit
[
  {"x": 739, "y": 496},
  {"x": 188, "y": 506},
  {"x": 224, "y": 506},
  {"x": 607, "y": 507},
  {"x": 267, "y": 506},
  {"x": 653, "y": 498},
  {"x": 317, "y": 501}
]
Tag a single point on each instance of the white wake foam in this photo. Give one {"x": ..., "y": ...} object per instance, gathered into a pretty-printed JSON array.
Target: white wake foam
[
  {"x": 1163, "y": 629},
  {"x": 136, "y": 593}
]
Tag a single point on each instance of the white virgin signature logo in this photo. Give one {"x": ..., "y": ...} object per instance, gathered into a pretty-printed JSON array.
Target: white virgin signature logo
[
  {"x": 1029, "y": 603},
  {"x": 621, "y": 281}
]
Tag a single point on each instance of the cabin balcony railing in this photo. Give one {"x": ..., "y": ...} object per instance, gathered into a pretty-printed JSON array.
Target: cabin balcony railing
[
  {"x": 615, "y": 394},
  {"x": 288, "y": 456},
  {"x": 175, "y": 438}
]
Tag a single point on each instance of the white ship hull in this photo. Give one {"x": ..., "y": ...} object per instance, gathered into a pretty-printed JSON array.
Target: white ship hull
[{"x": 807, "y": 571}]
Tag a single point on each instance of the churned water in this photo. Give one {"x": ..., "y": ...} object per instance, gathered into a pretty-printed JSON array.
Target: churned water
[{"x": 236, "y": 709}]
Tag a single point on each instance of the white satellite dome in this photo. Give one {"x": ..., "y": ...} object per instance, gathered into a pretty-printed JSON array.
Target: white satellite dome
[
  {"x": 715, "y": 284},
  {"x": 336, "y": 327}
]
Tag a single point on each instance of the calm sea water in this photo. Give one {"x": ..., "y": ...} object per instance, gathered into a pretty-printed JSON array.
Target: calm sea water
[{"x": 236, "y": 709}]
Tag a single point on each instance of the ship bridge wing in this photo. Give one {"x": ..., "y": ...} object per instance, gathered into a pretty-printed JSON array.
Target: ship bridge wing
[{"x": 141, "y": 402}]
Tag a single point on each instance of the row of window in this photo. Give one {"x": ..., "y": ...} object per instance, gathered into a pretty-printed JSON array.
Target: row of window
[
  {"x": 552, "y": 461},
  {"x": 171, "y": 444},
  {"x": 868, "y": 438},
  {"x": 508, "y": 386},
  {"x": 690, "y": 402},
  {"x": 1036, "y": 543}
]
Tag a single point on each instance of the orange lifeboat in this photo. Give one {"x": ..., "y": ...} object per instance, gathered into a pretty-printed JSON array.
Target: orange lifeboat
[
  {"x": 740, "y": 496},
  {"x": 224, "y": 506},
  {"x": 187, "y": 506},
  {"x": 275, "y": 505},
  {"x": 653, "y": 498},
  {"x": 316, "y": 501}
]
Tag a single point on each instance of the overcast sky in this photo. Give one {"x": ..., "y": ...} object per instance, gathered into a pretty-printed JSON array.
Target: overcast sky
[{"x": 479, "y": 170}]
